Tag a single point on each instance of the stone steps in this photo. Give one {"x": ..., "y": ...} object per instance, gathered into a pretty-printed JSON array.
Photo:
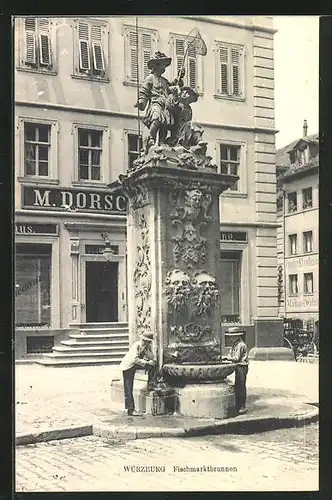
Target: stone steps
[
  {"x": 95, "y": 344},
  {"x": 79, "y": 361},
  {"x": 97, "y": 337},
  {"x": 63, "y": 349}
]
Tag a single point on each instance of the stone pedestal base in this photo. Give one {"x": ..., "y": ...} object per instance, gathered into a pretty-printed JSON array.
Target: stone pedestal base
[
  {"x": 194, "y": 400},
  {"x": 207, "y": 400},
  {"x": 146, "y": 402}
]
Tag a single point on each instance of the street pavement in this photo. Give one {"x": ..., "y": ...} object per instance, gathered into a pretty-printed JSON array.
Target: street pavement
[
  {"x": 283, "y": 460},
  {"x": 53, "y": 398}
]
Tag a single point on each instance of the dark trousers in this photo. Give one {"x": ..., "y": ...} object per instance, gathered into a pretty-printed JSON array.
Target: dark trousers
[
  {"x": 128, "y": 384},
  {"x": 240, "y": 386}
]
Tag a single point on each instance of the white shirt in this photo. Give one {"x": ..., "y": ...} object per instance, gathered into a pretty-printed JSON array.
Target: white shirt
[{"x": 134, "y": 356}]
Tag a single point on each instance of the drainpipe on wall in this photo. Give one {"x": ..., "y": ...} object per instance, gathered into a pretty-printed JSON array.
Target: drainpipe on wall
[{"x": 284, "y": 250}]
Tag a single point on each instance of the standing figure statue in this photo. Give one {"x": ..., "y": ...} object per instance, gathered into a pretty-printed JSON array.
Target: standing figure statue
[{"x": 158, "y": 96}]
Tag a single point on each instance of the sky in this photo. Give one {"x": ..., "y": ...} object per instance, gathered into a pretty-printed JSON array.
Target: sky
[{"x": 296, "y": 52}]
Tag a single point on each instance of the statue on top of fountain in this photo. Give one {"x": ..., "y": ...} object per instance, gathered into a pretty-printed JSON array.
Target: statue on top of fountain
[{"x": 167, "y": 108}]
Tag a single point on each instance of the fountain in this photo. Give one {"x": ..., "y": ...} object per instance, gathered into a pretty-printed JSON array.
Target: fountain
[{"x": 173, "y": 238}]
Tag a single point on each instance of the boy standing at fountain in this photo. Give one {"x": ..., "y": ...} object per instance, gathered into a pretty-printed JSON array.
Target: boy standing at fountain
[
  {"x": 138, "y": 357},
  {"x": 239, "y": 356}
]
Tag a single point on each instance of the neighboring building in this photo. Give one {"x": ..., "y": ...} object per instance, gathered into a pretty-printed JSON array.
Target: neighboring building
[
  {"x": 298, "y": 234},
  {"x": 76, "y": 131}
]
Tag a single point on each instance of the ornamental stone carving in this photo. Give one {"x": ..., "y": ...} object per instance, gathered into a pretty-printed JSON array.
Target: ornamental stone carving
[
  {"x": 142, "y": 281},
  {"x": 187, "y": 160},
  {"x": 206, "y": 291},
  {"x": 193, "y": 353},
  {"x": 189, "y": 246},
  {"x": 193, "y": 373},
  {"x": 196, "y": 294},
  {"x": 178, "y": 289},
  {"x": 191, "y": 204},
  {"x": 190, "y": 332}
]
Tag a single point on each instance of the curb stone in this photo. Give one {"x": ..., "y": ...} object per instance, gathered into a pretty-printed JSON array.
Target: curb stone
[
  {"x": 53, "y": 434},
  {"x": 247, "y": 425}
]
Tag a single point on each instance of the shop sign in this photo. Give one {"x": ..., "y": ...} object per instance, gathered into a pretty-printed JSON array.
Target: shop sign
[
  {"x": 24, "y": 228},
  {"x": 73, "y": 200},
  {"x": 302, "y": 262},
  {"x": 234, "y": 237},
  {"x": 302, "y": 302}
]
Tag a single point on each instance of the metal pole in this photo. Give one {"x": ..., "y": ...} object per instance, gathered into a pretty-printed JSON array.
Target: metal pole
[{"x": 137, "y": 85}]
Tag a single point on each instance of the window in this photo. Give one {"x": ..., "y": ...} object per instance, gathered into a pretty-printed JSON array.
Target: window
[
  {"x": 230, "y": 264},
  {"x": 308, "y": 286},
  {"x": 138, "y": 51},
  {"x": 292, "y": 156},
  {"x": 184, "y": 56},
  {"x": 91, "y": 50},
  {"x": 134, "y": 148},
  {"x": 230, "y": 71},
  {"x": 307, "y": 198},
  {"x": 293, "y": 288},
  {"x": 89, "y": 154},
  {"x": 37, "y": 49},
  {"x": 230, "y": 162},
  {"x": 33, "y": 285},
  {"x": 307, "y": 242},
  {"x": 37, "y": 143},
  {"x": 36, "y": 150},
  {"x": 303, "y": 156},
  {"x": 99, "y": 249},
  {"x": 292, "y": 202},
  {"x": 292, "y": 244},
  {"x": 280, "y": 203}
]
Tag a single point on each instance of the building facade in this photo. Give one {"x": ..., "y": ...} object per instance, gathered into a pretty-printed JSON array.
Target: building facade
[
  {"x": 298, "y": 233},
  {"x": 76, "y": 130}
]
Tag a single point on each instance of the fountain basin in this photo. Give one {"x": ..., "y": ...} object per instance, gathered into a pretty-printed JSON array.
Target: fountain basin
[{"x": 197, "y": 374}]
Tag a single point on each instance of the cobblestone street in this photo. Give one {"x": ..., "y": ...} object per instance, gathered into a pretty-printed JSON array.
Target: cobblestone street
[
  {"x": 55, "y": 397},
  {"x": 286, "y": 459}
]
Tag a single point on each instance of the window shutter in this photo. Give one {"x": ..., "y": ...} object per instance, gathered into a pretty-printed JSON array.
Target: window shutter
[
  {"x": 192, "y": 67},
  {"x": 84, "y": 49},
  {"x": 132, "y": 56},
  {"x": 147, "y": 53},
  {"x": 179, "y": 53},
  {"x": 235, "y": 62},
  {"x": 44, "y": 41},
  {"x": 30, "y": 40},
  {"x": 97, "y": 49},
  {"x": 223, "y": 52}
]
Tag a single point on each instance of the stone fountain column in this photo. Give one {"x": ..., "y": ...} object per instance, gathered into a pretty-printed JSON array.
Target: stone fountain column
[{"x": 173, "y": 273}]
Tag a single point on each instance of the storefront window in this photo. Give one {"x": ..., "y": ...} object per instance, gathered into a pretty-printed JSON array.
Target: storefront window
[
  {"x": 33, "y": 285},
  {"x": 230, "y": 265}
]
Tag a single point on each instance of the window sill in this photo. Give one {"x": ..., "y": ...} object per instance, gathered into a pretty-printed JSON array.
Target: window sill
[
  {"x": 308, "y": 294},
  {"x": 92, "y": 184},
  {"x": 42, "y": 71},
  {"x": 293, "y": 295},
  {"x": 307, "y": 209},
  {"x": 129, "y": 84},
  {"x": 234, "y": 194},
  {"x": 93, "y": 78},
  {"x": 229, "y": 97},
  {"x": 37, "y": 180}
]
